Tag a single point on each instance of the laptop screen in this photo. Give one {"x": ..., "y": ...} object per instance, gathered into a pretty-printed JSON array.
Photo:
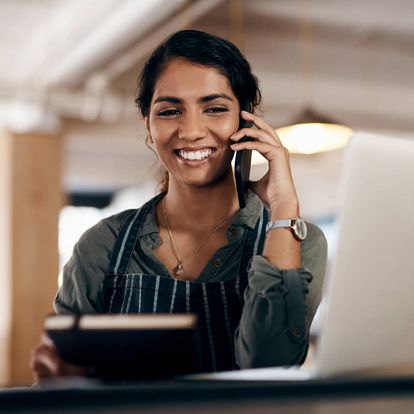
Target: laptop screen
[{"x": 368, "y": 320}]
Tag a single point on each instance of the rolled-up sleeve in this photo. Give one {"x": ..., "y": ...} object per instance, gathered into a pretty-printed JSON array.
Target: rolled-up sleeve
[{"x": 279, "y": 307}]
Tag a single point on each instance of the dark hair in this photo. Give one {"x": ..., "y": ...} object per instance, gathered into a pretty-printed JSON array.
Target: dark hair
[{"x": 202, "y": 49}]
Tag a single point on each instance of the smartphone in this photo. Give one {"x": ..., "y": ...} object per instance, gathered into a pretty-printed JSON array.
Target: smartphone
[{"x": 242, "y": 166}]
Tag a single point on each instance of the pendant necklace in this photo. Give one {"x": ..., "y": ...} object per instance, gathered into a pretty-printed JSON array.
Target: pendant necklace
[{"x": 179, "y": 268}]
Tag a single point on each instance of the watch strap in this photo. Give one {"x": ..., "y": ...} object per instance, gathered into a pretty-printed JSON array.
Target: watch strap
[{"x": 277, "y": 224}]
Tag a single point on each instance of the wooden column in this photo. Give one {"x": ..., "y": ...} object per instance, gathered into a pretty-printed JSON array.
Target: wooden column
[{"x": 30, "y": 201}]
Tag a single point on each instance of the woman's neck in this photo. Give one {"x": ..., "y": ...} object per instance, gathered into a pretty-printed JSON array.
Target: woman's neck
[{"x": 207, "y": 206}]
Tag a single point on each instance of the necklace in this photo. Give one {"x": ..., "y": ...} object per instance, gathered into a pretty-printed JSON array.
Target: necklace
[{"x": 179, "y": 268}]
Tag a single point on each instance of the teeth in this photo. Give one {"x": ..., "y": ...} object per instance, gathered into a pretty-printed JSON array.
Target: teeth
[{"x": 195, "y": 155}]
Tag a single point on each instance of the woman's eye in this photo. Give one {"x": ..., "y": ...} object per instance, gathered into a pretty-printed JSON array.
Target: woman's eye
[
  {"x": 216, "y": 110},
  {"x": 169, "y": 112}
]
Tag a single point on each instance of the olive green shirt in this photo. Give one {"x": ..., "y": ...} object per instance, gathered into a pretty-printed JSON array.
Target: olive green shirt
[{"x": 269, "y": 310}]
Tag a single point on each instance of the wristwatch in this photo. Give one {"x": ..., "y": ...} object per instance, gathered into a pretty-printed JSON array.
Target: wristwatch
[{"x": 296, "y": 224}]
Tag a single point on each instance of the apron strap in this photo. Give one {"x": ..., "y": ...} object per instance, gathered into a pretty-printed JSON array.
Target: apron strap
[
  {"x": 254, "y": 241},
  {"x": 125, "y": 242}
]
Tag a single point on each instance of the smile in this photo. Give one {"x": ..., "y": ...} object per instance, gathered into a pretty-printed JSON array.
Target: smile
[{"x": 198, "y": 155}]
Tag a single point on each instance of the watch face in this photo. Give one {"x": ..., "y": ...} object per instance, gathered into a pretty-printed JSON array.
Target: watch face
[{"x": 300, "y": 229}]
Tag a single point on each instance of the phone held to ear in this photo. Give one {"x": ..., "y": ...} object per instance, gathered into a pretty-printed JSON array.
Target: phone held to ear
[{"x": 242, "y": 166}]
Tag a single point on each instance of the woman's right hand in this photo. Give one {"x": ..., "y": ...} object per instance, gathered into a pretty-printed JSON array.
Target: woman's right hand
[{"x": 45, "y": 362}]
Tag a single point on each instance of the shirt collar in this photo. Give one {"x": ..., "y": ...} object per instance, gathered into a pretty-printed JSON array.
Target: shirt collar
[{"x": 247, "y": 216}]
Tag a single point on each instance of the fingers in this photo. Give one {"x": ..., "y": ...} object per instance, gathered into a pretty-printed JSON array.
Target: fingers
[
  {"x": 263, "y": 131},
  {"x": 270, "y": 152},
  {"x": 45, "y": 362},
  {"x": 263, "y": 138},
  {"x": 45, "y": 339},
  {"x": 258, "y": 122},
  {"x": 253, "y": 133}
]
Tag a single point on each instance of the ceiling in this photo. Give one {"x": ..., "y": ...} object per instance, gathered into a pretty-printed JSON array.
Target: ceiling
[{"x": 72, "y": 66}]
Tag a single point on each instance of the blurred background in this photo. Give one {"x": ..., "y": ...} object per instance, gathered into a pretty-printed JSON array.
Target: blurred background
[{"x": 72, "y": 144}]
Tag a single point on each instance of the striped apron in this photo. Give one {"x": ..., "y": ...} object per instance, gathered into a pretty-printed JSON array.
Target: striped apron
[{"x": 218, "y": 305}]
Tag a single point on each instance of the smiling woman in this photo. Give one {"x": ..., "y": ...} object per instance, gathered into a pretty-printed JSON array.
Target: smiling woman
[
  {"x": 190, "y": 248},
  {"x": 191, "y": 117}
]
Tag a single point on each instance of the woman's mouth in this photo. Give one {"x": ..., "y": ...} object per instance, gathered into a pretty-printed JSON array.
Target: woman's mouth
[{"x": 198, "y": 155}]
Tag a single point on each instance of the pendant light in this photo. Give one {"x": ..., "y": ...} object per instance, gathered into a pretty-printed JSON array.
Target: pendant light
[{"x": 311, "y": 132}]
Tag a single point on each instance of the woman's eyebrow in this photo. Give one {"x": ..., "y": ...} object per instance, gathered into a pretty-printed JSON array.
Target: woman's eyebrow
[
  {"x": 170, "y": 99},
  {"x": 213, "y": 96},
  {"x": 203, "y": 99}
]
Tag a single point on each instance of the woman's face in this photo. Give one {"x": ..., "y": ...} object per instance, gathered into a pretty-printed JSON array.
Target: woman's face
[{"x": 192, "y": 114}]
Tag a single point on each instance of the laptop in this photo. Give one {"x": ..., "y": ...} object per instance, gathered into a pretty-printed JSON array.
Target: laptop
[{"x": 367, "y": 324}]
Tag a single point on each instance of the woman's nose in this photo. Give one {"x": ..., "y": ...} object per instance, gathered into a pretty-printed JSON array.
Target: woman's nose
[{"x": 192, "y": 127}]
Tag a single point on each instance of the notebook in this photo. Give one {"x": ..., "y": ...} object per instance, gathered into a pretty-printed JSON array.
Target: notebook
[
  {"x": 133, "y": 347},
  {"x": 368, "y": 321}
]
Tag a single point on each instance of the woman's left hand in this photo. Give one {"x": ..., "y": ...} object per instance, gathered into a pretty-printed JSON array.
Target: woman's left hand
[{"x": 276, "y": 187}]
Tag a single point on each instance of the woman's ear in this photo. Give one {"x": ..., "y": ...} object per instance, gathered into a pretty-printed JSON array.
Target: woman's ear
[{"x": 149, "y": 137}]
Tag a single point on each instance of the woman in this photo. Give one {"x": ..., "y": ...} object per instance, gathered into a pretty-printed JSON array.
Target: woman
[{"x": 191, "y": 249}]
